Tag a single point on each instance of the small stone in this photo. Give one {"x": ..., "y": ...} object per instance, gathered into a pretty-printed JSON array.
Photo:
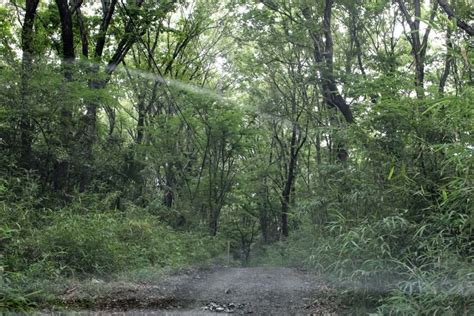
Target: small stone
[{"x": 96, "y": 281}]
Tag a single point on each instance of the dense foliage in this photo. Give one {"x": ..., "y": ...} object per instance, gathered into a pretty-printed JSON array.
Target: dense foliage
[{"x": 334, "y": 134}]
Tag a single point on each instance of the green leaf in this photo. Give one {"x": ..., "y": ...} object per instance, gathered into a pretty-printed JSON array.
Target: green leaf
[{"x": 390, "y": 174}]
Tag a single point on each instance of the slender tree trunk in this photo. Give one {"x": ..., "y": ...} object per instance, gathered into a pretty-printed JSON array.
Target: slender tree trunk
[
  {"x": 418, "y": 45},
  {"x": 447, "y": 65},
  {"x": 168, "y": 195},
  {"x": 318, "y": 148},
  {"x": 88, "y": 131},
  {"x": 323, "y": 55},
  {"x": 358, "y": 46},
  {"x": 83, "y": 33},
  {"x": 25, "y": 122},
  {"x": 141, "y": 121},
  {"x": 89, "y": 121},
  {"x": 67, "y": 37},
  {"x": 289, "y": 183},
  {"x": 60, "y": 175},
  {"x": 213, "y": 222}
]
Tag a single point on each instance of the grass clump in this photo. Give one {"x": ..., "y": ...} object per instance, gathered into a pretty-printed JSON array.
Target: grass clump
[
  {"x": 94, "y": 245},
  {"x": 391, "y": 264}
]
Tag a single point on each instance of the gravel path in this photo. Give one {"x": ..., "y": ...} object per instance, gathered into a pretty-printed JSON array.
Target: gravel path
[{"x": 221, "y": 291}]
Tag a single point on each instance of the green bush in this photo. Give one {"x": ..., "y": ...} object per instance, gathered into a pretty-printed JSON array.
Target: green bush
[
  {"x": 103, "y": 243},
  {"x": 410, "y": 268},
  {"x": 440, "y": 292},
  {"x": 13, "y": 296},
  {"x": 85, "y": 244}
]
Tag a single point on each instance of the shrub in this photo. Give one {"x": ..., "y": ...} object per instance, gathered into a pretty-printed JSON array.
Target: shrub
[
  {"x": 410, "y": 268},
  {"x": 102, "y": 243}
]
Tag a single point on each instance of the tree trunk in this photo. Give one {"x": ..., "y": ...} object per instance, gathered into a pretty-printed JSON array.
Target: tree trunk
[
  {"x": 89, "y": 121},
  {"x": 323, "y": 56},
  {"x": 67, "y": 36},
  {"x": 88, "y": 131},
  {"x": 25, "y": 123},
  {"x": 60, "y": 173},
  {"x": 447, "y": 65},
  {"x": 141, "y": 121},
  {"x": 83, "y": 34},
  {"x": 460, "y": 23},
  {"x": 213, "y": 222},
  {"x": 289, "y": 183},
  {"x": 418, "y": 45},
  {"x": 168, "y": 195}
]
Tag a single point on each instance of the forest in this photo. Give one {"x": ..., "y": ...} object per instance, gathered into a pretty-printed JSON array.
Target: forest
[{"x": 335, "y": 136}]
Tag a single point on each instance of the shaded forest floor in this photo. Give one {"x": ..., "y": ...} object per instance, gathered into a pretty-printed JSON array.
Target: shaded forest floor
[{"x": 253, "y": 290}]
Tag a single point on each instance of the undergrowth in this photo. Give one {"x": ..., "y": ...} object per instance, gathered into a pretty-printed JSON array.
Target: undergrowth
[
  {"x": 104, "y": 245},
  {"x": 402, "y": 267}
]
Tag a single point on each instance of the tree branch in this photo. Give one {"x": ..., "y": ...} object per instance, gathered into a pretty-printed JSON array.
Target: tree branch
[{"x": 461, "y": 24}]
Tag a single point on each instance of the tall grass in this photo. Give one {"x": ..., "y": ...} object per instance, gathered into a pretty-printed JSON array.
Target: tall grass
[{"x": 96, "y": 244}]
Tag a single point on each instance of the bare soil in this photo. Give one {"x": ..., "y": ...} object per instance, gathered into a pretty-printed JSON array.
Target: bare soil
[{"x": 214, "y": 291}]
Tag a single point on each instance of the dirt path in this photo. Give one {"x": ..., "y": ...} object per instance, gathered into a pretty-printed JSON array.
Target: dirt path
[{"x": 217, "y": 291}]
